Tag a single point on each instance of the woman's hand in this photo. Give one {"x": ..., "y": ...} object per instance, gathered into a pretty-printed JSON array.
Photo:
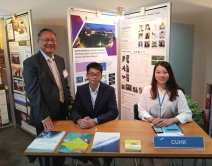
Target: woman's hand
[{"x": 166, "y": 122}]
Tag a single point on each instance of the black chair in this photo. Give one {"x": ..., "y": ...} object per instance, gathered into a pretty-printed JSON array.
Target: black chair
[{"x": 136, "y": 112}]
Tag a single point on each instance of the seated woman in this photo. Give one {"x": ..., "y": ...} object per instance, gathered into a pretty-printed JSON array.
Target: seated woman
[{"x": 159, "y": 102}]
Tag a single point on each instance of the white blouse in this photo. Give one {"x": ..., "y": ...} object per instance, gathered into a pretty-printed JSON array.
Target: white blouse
[{"x": 147, "y": 107}]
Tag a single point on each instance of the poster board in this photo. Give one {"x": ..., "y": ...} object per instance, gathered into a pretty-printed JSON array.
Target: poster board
[
  {"x": 144, "y": 41},
  {"x": 6, "y": 119},
  {"x": 92, "y": 38},
  {"x": 20, "y": 43}
]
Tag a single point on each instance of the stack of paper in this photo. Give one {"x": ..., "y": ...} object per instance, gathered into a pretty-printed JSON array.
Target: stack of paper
[
  {"x": 75, "y": 143},
  {"x": 106, "y": 142},
  {"x": 46, "y": 141}
]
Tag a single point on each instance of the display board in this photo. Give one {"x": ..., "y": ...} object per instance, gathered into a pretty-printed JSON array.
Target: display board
[
  {"x": 144, "y": 41},
  {"x": 19, "y": 40},
  {"x": 5, "y": 112},
  {"x": 92, "y": 38}
]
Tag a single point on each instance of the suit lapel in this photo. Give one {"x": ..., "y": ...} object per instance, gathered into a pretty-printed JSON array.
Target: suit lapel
[
  {"x": 99, "y": 95},
  {"x": 45, "y": 65},
  {"x": 88, "y": 94}
]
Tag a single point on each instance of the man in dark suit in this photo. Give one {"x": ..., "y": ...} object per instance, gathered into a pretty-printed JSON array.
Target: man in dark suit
[
  {"x": 95, "y": 102},
  {"x": 46, "y": 86}
]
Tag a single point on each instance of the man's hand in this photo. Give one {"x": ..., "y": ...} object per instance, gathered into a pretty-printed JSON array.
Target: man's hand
[
  {"x": 86, "y": 123},
  {"x": 48, "y": 124}
]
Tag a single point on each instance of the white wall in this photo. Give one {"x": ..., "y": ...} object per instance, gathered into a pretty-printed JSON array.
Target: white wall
[{"x": 202, "y": 58}]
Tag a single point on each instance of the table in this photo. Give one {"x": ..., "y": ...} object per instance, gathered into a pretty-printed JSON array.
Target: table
[{"x": 140, "y": 130}]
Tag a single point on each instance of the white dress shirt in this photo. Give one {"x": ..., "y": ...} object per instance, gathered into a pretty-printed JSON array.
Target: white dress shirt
[{"x": 147, "y": 107}]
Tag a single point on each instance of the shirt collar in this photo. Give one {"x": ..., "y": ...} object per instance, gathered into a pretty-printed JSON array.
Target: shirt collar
[
  {"x": 46, "y": 56},
  {"x": 96, "y": 90}
]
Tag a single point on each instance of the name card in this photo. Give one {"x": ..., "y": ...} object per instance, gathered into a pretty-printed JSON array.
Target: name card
[{"x": 178, "y": 142}]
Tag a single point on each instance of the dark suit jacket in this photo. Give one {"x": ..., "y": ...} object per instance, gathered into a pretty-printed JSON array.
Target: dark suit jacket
[
  {"x": 42, "y": 89},
  {"x": 105, "y": 108}
]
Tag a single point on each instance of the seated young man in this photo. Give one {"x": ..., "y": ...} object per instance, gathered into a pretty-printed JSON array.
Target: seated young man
[{"x": 95, "y": 103}]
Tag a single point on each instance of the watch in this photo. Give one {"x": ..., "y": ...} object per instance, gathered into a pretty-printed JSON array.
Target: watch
[{"x": 96, "y": 120}]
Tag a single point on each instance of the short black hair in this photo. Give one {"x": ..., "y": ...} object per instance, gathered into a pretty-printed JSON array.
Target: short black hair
[
  {"x": 46, "y": 29},
  {"x": 95, "y": 66}
]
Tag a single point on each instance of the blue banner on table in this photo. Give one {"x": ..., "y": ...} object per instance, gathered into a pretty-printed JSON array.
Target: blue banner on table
[{"x": 178, "y": 142}]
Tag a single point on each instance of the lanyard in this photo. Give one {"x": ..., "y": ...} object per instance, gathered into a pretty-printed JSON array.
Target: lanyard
[{"x": 161, "y": 103}]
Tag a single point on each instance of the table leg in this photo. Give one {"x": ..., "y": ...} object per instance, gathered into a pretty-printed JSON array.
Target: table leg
[
  {"x": 203, "y": 162},
  {"x": 195, "y": 162},
  {"x": 51, "y": 161},
  {"x": 43, "y": 161}
]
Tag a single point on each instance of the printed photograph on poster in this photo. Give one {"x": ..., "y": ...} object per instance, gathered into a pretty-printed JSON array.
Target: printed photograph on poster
[
  {"x": 20, "y": 102},
  {"x": 140, "y": 89},
  {"x": 147, "y": 27},
  {"x": 128, "y": 87},
  {"x": 141, "y": 28},
  {"x": 15, "y": 58},
  {"x": 161, "y": 43},
  {"x": 2, "y": 60},
  {"x": 140, "y": 36},
  {"x": 17, "y": 71},
  {"x": 154, "y": 35},
  {"x": 155, "y": 27},
  {"x": 147, "y": 44},
  {"x": 135, "y": 89},
  {"x": 104, "y": 79},
  {"x": 127, "y": 77},
  {"x": 18, "y": 86},
  {"x": 81, "y": 73},
  {"x": 24, "y": 117},
  {"x": 128, "y": 58},
  {"x": 147, "y": 35},
  {"x": 140, "y": 44},
  {"x": 154, "y": 44},
  {"x": 156, "y": 59},
  {"x": 25, "y": 52},
  {"x": 21, "y": 28},
  {"x": 10, "y": 34},
  {"x": 3, "y": 76},
  {"x": 95, "y": 35},
  {"x": 162, "y": 34},
  {"x": 3, "y": 108},
  {"x": 162, "y": 26},
  {"x": 28, "y": 106}
]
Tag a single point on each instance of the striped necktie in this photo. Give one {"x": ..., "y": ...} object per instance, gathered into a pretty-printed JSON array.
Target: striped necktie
[{"x": 55, "y": 73}]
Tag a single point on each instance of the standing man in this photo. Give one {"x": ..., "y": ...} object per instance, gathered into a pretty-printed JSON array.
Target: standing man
[
  {"x": 45, "y": 77},
  {"x": 95, "y": 102}
]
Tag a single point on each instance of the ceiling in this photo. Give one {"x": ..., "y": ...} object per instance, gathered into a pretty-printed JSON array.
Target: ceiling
[{"x": 53, "y": 12}]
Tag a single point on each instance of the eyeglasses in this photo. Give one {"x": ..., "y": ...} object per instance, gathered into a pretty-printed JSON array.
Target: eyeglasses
[
  {"x": 48, "y": 40},
  {"x": 92, "y": 74}
]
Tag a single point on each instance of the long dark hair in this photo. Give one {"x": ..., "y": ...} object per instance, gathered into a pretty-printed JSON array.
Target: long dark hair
[{"x": 171, "y": 85}]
